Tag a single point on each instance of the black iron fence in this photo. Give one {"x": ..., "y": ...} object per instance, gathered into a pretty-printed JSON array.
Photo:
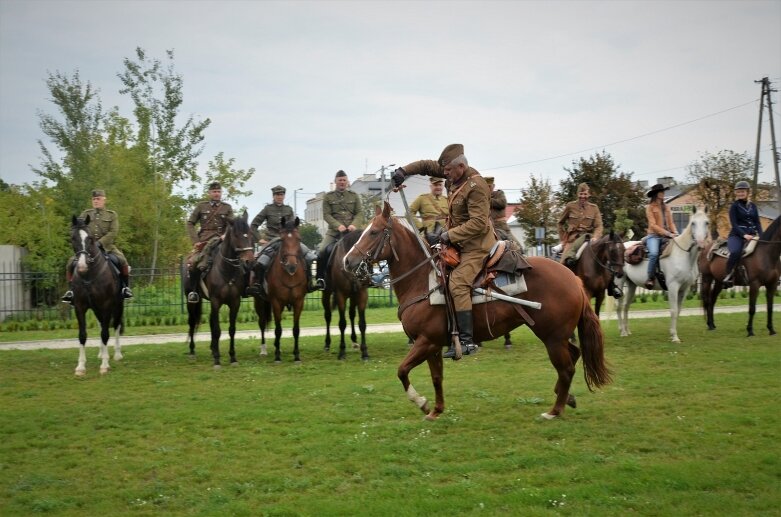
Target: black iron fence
[{"x": 159, "y": 296}]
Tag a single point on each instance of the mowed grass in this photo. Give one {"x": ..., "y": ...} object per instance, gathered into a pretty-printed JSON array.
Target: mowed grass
[{"x": 689, "y": 429}]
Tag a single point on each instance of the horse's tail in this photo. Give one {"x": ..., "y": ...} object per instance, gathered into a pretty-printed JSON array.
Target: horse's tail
[{"x": 592, "y": 344}]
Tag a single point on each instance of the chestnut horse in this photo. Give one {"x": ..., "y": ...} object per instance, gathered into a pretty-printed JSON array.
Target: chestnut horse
[
  {"x": 763, "y": 268},
  {"x": 565, "y": 306},
  {"x": 599, "y": 263},
  {"x": 286, "y": 280},
  {"x": 341, "y": 287},
  {"x": 96, "y": 287},
  {"x": 225, "y": 283}
]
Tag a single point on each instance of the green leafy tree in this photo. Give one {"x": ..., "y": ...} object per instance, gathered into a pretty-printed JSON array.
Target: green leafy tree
[
  {"x": 310, "y": 235},
  {"x": 232, "y": 180},
  {"x": 714, "y": 177},
  {"x": 537, "y": 208},
  {"x": 611, "y": 189}
]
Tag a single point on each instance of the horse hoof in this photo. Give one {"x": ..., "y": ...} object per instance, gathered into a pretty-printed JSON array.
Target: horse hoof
[
  {"x": 80, "y": 373},
  {"x": 772, "y": 332},
  {"x": 365, "y": 358},
  {"x": 675, "y": 340},
  {"x": 356, "y": 346},
  {"x": 508, "y": 347},
  {"x": 217, "y": 367},
  {"x": 711, "y": 327},
  {"x": 297, "y": 361},
  {"x": 235, "y": 363},
  {"x": 432, "y": 416},
  {"x": 277, "y": 361},
  {"x": 548, "y": 416},
  {"x": 103, "y": 371},
  {"x": 118, "y": 357},
  {"x": 624, "y": 334},
  {"x": 263, "y": 353},
  {"x": 571, "y": 402}
]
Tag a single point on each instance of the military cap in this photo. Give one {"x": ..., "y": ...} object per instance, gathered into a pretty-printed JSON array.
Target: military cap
[
  {"x": 583, "y": 187},
  {"x": 215, "y": 185},
  {"x": 98, "y": 193},
  {"x": 450, "y": 153},
  {"x": 279, "y": 189},
  {"x": 489, "y": 179},
  {"x": 655, "y": 189},
  {"x": 434, "y": 180},
  {"x": 340, "y": 174}
]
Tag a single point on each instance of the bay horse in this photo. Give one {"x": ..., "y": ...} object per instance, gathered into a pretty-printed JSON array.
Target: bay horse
[
  {"x": 599, "y": 263},
  {"x": 565, "y": 306},
  {"x": 224, "y": 284},
  {"x": 679, "y": 268},
  {"x": 286, "y": 282},
  {"x": 95, "y": 286},
  {"x": 341, "y": 287},
  {"x": 763, "y": 267}
]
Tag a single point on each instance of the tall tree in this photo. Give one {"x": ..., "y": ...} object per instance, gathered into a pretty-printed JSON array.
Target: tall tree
[
  {"x": 537, "y": 209},
  {"x": 173, "y": 149},
  {"x": 611, "y": 189},
  {"x": 714, "y": 177},
  {"x": 232, "y": 180}
]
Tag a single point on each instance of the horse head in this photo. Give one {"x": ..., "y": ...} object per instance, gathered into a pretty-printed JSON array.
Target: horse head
[
  {"x": 290, "y": 251},
  {"x": 373, "y": 245},
  {"x": 699, "y": 225},
  {"x": 614, "y": 248},
  {"x": 240, "y": 242},
  {"x": 85, "y": 247}
]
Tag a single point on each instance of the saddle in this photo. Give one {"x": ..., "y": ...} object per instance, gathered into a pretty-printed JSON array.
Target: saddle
[
  {"x": 635, "y": 251},
  {"x": 719, "y": 249}
]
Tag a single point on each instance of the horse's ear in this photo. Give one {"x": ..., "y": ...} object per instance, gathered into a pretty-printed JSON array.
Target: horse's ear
[
  {"x": 705, "y": 209},
  {"x": 377, "y": 210},
  {"x": 298, "y": 222},
  {"x": 386, "y": 209},
  {"x": 86, "y": 220},
  {"x": 612, "y": 234},
  {"x": 74, "y": 221},
  {"x": 282, "y": 222},
  {"x": 244, "y": 215}
]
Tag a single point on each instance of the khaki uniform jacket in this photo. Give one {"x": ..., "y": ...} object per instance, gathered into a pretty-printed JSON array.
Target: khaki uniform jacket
[
  {"x": 576, "y": 221},
  {"x": 213, "y": 220},
  {"x": 498, "y": 206},
  {"x": 272, "y": 215},
  {"x": 342, "y": 208},
  {"x": 104, "y": 227},
  {"x": 432, "y": 210},
  {"x": 469, "y": 207},
  {"x": 653, "y": 212}
]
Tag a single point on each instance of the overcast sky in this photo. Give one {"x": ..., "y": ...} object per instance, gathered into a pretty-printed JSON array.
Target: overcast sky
[{"x": 298, "y": 90}]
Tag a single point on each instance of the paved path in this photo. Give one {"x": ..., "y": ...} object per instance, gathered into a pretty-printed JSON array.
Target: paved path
[{"x": 317, "y": 331}]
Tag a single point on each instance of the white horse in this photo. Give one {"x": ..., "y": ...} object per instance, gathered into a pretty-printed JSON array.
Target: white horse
[{"x": 679, "y": 268}]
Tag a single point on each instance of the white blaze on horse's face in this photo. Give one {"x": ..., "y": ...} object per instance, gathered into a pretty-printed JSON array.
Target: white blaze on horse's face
[
  {"x": 700, "y": 227},
  {"x": 348, "y": 256},
  {"x": 81, "y": 259}
]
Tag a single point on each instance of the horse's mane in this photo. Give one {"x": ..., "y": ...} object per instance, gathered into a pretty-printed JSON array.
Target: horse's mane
[
  {"x": 240, "y": 225},
  {"x": 350, "y": 239},
  {"x": 772, "y": 229}
]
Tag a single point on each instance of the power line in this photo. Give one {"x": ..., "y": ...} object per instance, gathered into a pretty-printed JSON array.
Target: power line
[{"x": 622, "y": 141}]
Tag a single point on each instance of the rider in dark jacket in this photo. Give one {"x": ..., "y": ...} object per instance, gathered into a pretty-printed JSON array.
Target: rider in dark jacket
[{"x": 744, "y": 220}]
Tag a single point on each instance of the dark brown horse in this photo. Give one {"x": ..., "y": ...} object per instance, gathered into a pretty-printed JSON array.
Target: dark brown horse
[
  {"x": 224, "y": 285},
  {"x": 341, "y": 287},
  {"x": 763, "y": 268},
  {"x": 600, "y": 262},
  {"x": 565, "y": 306},
  {"x": 286, "y": 287},
  {"x": 95, "y": 286}
]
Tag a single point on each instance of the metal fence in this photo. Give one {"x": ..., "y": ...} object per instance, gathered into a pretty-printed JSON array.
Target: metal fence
[{"x": 159, "y": 293}]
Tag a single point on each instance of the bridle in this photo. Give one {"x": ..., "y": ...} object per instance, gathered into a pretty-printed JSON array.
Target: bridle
[{"x": 611, "y": 265}]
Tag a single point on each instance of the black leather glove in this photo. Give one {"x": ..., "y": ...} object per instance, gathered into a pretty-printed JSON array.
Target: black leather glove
[
  {"x": 398, "y": 177},
  {"x": 444, "y": 237}
]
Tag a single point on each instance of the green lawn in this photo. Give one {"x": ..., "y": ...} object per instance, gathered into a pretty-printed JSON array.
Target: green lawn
[{"x": 687, "y": 429}]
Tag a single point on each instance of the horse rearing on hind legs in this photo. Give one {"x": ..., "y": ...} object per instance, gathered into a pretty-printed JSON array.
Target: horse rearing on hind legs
[
  {"x": 95, "y": 286},
  {"x": 286, "y": 282},
  {"x": 565, "y": 306},
  {"x": 763, "y": 268},
  {"x": 224, "y": 284}
]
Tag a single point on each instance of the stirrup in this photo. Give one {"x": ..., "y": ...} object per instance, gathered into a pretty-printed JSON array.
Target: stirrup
[
  {"x": 67, "y": 297},
  {"x": 319, "y": 284},
  {"x": 649, "y": 284},
  {"x": 254, "y": 290},
  {"x": 127, "y": 293},
  {"x": 450, "y": 353},
  {"x": 192, "y": 297}
]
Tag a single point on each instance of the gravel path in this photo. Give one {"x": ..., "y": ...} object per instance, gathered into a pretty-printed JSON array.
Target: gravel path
[{"x": 314, "y": 331}]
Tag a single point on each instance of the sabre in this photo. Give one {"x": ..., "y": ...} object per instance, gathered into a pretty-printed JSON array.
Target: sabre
[
  {"x": 498, "y": 296},
  {"x": 412, "y": 222}
]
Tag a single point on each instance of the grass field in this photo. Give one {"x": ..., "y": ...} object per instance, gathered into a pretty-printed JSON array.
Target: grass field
[{"x": 685, "y": 429}]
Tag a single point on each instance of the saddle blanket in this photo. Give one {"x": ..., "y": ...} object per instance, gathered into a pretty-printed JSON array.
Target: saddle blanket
[
  {"x": 719, "y": 249},
  {"x": 509, "y": 284}
]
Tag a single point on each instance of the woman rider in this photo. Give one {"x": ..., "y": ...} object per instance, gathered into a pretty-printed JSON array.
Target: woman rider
[{"x": 744, "y": 222}]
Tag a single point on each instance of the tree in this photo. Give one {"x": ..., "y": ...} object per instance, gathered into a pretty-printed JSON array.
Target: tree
[
  {"x": 232, "y": 180},
  {"x": 310, "y": 235},
  {"x": 714, "y": 177},
  {"x": 537, "y": 209},
  {"x": 368, "y": 204},
  {"x": 611, "y": 189},
  {"x": 172, "y": 149}
]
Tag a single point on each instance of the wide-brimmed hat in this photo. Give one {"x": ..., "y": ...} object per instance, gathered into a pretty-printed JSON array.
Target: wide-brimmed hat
[{"x": 656, "y": 188}]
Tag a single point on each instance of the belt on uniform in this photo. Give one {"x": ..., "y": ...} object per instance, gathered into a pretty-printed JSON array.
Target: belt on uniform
[{"x": 433, "y": 218}]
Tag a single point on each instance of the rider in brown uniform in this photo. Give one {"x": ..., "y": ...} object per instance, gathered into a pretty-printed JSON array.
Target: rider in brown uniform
[
  {"x": 212, "y": 216},
  {"x": 432, "y": 207},
  {"x": 498, "y": 217},
  {"x": 579, "y": 220},
  {"x": 467, "y": 228}
]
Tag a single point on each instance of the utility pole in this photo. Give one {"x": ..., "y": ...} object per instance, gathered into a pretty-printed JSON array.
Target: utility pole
[{"x": 765, "y": 82}]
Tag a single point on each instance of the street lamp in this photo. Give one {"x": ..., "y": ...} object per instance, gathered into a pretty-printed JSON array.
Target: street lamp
[{"x": 295, "y": 200}]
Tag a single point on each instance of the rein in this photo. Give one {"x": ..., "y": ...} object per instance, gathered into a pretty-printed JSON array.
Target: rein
[{"x": 610, "y": 264}]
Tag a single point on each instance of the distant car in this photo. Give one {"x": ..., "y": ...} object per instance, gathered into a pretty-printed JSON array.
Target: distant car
[{"x": 381, "y": 275}]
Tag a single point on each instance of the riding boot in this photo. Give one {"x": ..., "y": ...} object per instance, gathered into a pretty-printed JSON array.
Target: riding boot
[
  {"x": 465, "y": 330},
  {"x": 570, "y": 262},
  {"x": 652, "y": 262},
  {"x": 195, "y": 278},
  {"x": 124, "y": 275},
  {"x": 68, "y": 296},
  {"x": 255, "y": 288},
  {"x": 728, "y": 282},
  {"x": 320, "y": 273}
]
